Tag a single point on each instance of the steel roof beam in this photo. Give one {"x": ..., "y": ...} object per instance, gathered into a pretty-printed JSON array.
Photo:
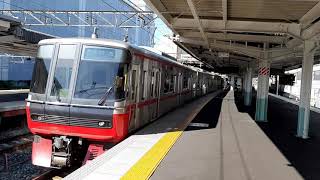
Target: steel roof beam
[
  {"x": 237, "y": 48},
  {"x": 224, "y": 12},
  {"x": 310, "y": 16},
  {"x": 312, "y": 32},
  {"x": 236, "y": 37},
  {"x": 239, "y": 26},
  {"x": 198, "y": 22}
]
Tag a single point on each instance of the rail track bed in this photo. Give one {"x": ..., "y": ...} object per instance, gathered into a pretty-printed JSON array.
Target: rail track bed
[{"x": 15, "y": 156}]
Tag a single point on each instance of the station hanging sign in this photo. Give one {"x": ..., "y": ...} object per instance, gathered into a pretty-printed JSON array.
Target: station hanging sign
[{"x": 187, "y": 57}]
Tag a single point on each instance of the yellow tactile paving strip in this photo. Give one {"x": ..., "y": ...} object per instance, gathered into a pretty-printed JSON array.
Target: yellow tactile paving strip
[{"x": 144, "y": 168}]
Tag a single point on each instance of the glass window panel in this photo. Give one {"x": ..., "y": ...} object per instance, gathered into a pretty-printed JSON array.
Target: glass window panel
[
  {"x": 63, "y": 71},
  {"x": 41, "y": 69},
  {"x": 98, "y": 77}
]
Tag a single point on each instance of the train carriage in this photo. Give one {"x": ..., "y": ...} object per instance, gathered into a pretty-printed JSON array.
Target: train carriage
[{"x": 90, "y": 93}]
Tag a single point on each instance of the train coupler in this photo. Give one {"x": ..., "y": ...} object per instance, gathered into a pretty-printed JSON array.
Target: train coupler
[{"x": 61, "y": 154}]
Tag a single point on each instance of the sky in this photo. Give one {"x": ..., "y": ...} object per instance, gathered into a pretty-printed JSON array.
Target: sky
[
  {"x": 162, "y": 34},
  {"x": 162, "y": 41}
]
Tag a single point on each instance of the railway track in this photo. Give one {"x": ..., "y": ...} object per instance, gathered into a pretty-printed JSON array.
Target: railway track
[
  {"x": 11, "y": 145},
  {"x": 15, "y": 143}
]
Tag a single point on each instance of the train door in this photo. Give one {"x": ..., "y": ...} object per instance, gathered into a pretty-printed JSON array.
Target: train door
[{"x": 134, "y": 96}]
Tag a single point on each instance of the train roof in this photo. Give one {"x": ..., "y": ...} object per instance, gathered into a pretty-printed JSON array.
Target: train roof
[
  {"x": 99, "y": 41},
  {"x": 117, "y": 43}
]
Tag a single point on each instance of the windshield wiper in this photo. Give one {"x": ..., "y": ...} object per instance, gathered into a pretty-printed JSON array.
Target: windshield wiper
[{"x": 104, "y": 97}]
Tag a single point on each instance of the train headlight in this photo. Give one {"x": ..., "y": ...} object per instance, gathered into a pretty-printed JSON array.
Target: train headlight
[
  {"x": 37, "y": 117},
  {"x": 101, "y": 123}
]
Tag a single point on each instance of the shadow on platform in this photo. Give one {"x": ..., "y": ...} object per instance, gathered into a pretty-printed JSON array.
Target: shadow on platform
[
  {"x": 208, "y": 117},
  {"x": 303, "y": 155}
]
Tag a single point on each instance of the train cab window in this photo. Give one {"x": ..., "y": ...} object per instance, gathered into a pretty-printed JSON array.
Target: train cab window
[
  {"x": 41, "y": 69},
  {"x": 63, "y": 70},
  {"x": 101, "y": 74}
]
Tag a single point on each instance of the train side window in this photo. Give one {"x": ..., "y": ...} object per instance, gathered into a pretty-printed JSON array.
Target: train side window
[
  {"x": 144, "y": 85},
  {"x": 185, "y": 81},
  {"x": 166, "y": 82},
  {"x": 157, "y": 84},
  {"x": 152, "y": 84},
  {"x": 171, "y": 83},
  {"x": 133, "y": 82}
]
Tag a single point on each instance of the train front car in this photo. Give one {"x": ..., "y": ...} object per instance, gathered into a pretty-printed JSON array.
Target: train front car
[{"x": 77, "y": 97}]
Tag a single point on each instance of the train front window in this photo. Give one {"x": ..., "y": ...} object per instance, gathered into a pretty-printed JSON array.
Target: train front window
[
  {"x": 63, "y": 71},
  {"x": 41, "y": 69},
  {"x": 101, "y": 74}
]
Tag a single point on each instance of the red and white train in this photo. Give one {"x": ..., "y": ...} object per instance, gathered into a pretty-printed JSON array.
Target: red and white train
[{"x": 86, "y": 94}]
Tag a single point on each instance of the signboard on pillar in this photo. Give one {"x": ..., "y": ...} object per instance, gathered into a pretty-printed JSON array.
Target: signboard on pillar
[{"x": 264, "y": 71}]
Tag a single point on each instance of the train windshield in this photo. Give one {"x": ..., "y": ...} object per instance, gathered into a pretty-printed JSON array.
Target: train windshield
[
  {"x": 41, "y": 69},
  {"x": 101, "y": 74},
  {"x": 63, "y": 71}
]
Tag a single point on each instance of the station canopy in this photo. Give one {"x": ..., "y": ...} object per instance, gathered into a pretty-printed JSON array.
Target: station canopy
[{"x": 229, "y": 34}]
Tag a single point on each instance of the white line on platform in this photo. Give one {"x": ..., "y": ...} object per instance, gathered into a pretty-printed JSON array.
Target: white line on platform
[{"x": 199, "y": 124}]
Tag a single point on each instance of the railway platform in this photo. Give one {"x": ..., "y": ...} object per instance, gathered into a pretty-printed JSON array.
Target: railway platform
[
  {"x": 214, "y": 137},
  {"x": 13, "y": 95},
  {"x": 12, "y": 102}
]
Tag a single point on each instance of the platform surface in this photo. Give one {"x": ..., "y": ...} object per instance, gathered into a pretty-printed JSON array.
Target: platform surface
[
  {"x": 13, "y": 95},
  {"x": 232, "y": 147},
  {"x": 221, "y": 142},
  {"x": 118, "y": 161}
]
